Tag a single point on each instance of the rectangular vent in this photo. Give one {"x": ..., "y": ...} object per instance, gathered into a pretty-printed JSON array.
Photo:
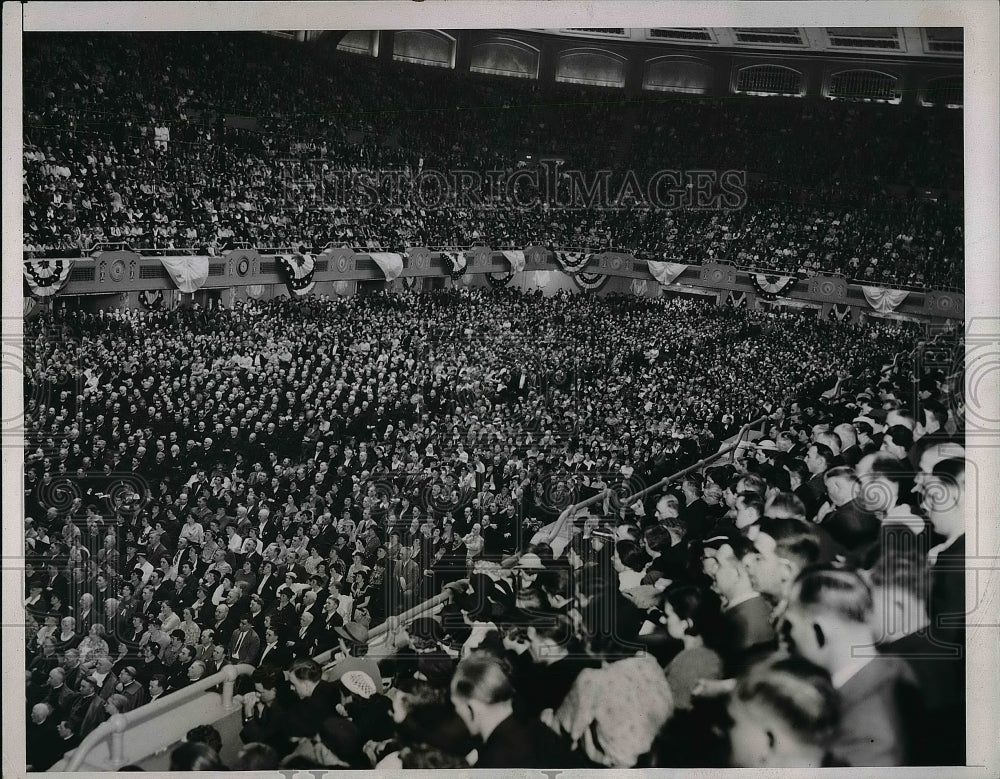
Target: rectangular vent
[
  {"x": 152, "y": 271},
  {"x": 365, "y": 263},
  {"x": 217, "y": 269},
  {"x": 620, "y": 31},
  {"x": 268, "y": 266},
  {"x": 81, "y": 274},
  {"x": 879, "y": 38},
  {"x": 787, "y": 36},
  {"x": 680, "y": 34},
  {"x": 322, "y": 266}
]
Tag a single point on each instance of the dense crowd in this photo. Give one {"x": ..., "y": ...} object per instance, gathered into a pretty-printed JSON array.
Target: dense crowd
[
  {"x": 234, "y": 138},
  {"x": 268, "y": 484}
]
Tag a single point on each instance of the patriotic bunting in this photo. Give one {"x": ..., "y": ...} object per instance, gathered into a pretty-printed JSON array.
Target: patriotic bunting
[
  {"x": 189, "y": 274},
  {"x": 455, "y": 263},
  {"x": 390, "y": 263},
  {"x": 884, "y": 300},
  {"x": 590, "y": 282},
  {"x": 299, "y": 270},
  {"x": 771, "y": 287},
  {"x": 500, "y": 279},
  {"x": 737, "y": 300},
  {"x": 572, "y": 262},
  {"x": 840, "y": 312},
  {"x": 665, "y": 273},
  {"x": 151, "y": 298},
  {"x": 46, "y": 277}
]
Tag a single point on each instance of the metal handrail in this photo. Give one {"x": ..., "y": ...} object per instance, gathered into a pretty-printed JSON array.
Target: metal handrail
[
  {"x": 324, "y": 658},
  {"x": 724, "y": 450},
  {"x": 116, "y": 727}
]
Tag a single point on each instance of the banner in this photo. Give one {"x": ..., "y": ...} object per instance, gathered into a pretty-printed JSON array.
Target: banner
[
  {"x": 639, "y": 287},
  {"x": 299, "y": 270},
  {"x": 151, "y": 298},
  {"x": 840, "y": 312},
  {"x": 390, "y": 263},
  {"x": 572, "y": 262},
  {"x": 188, "y": 273},
  {"x": 589, "y": 282},
  {"x": 46, "y": 277},
  {"x": 516, "y": 259},
  {"x": 501, "y": 279},
  {"x": 665, "y": 273},
  {"x": 737, "y": 300},
  {"x": 30, "y": 304},
  {"x": 883, "y": 300},
  {"x": 255, "y": 291},
  {"x": 455, "y": 263},
  {"x": 770, "y": 286}
]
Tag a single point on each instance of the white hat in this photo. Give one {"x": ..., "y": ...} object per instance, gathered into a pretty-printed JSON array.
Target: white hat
[{"x": 359, "y": 683}]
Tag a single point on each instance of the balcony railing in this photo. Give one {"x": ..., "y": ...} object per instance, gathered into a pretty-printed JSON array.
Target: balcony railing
[{"x": 106, "y": 745}]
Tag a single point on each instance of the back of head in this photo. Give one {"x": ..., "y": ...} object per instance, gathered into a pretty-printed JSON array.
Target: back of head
[
  {"x": 786, "y": 505},
  {"x": 795, "y": 539},
  {"x": 306, "y": 669},
  {"x": 205, "y": 734},
  {"x": 481, "y": 677},
  {"x": 796, "y": 691},
  {"x": 195, "y": 756},
  {"x": 257, "y": 757},
  {"x": 834, "y": 590}
]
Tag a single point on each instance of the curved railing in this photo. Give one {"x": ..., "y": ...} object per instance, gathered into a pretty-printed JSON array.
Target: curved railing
[{"x": 112, "y": 732}]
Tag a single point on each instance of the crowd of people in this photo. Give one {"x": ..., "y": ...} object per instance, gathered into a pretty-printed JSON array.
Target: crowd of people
[
  {"x": 235, "y": 137},
  {"x": 274, "y": 484}
]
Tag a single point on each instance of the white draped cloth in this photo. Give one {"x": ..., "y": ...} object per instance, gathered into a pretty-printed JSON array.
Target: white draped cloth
[
  {"x": 189, "y": 273},
  {"x": 884, "y": 300},
  {"x": 516, "y": 259},
  {"x": 390, "y": 263},
  {"x": 665, "y": 272}
]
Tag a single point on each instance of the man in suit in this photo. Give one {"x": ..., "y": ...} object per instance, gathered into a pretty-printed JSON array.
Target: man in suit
[
  {"x": 134, "y": 692},
  {"x": 842, "y": 516},
  {"x": 60, "y": 697},
  {"x": 244, "y": 646},
  {"x": 900, "y": 625},
  {"x": 819, "y": 458},
  {"x": 827, "y": 619},
  {"x": 304, "y": 641},
  {"x": 106, "y": 681},
  {"x": 88, "y": 710},
  {"x": 157, "y": 687},
  {"x": 273, "y": 653},
  {"x": 41, "y": 738},
  {"x": 747, "y": 634},
  {"x": 944, "y": 500}
]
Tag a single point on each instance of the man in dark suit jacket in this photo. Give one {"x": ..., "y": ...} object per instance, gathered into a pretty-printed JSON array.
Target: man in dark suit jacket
[
  {"x": 41, "y": 738},
  {"x": 274, "y": 653},
  {"x": 746, "y": 628},
  {"x": 828, "y": 617},
  {"x": 133, "y": 691},
  {"x": 244, "y": 646},
  {"x": 303, "y": 642},
  {"x": 842, "y": 517},
  {"x": 60, "y": 696},
  {"x": 88, "y": 711}
]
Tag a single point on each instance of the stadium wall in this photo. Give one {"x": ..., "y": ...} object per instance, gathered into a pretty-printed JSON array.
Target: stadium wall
[{"x": 113, "y": 277}]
